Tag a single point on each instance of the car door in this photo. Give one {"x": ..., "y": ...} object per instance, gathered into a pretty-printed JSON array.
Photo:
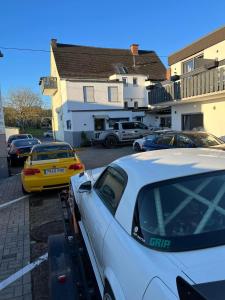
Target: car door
[
  {"x": 99, "y": 206},
  {"x": 128, "y": 131},
  {"x": 165, "y": 141}
]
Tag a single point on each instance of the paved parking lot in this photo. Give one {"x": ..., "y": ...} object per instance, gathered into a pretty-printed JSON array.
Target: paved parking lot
[{"x": 28, "y": 223}]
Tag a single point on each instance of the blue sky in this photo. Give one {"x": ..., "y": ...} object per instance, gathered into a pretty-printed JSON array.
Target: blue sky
[{"x": 163, "y": 26}]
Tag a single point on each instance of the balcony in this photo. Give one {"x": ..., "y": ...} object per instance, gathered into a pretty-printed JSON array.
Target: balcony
[
  {"x": 209, "y": 82},
  {"x": 48, "y": 85}
]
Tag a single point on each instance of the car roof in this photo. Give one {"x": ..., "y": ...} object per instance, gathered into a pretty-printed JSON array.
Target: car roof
[
  {"x": 51, "y": 144},
  {"x": 26, "y": 140},
  {"x": 153, "y": 166}
]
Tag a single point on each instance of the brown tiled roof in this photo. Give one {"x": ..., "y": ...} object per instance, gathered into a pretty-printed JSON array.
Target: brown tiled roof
[
  {"x": 201, "y": 44},
  {"x": 74, "y": 61}
]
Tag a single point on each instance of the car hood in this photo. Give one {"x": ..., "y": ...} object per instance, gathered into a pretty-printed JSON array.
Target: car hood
[
  {"x": 219, "y": 147},
  {"x": 201, "y": 266}
]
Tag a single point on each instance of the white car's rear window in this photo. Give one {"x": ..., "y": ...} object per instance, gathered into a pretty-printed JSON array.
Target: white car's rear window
[{"x": 182, "y": 214}]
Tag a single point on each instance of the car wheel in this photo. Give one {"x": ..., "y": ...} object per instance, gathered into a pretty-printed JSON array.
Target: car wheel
[
  {"x": 110, "y": 142},
  {"x": 137, "y": 147},
  {"x": 24, "y": 191},
  {"x": 108, "y": 293},
  {"x": 12, "y": 163}
]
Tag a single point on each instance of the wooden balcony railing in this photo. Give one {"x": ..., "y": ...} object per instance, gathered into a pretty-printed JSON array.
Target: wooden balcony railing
[{"x": 211, "y": 81}]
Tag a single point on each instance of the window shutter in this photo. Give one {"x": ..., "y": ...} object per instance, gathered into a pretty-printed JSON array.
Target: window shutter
[
  {"x": 113, "y": 94},
  {"x": 89, "y": 94}
]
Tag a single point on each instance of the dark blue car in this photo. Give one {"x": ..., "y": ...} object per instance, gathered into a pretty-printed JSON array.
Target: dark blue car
[{"x": 184, "y": 139}]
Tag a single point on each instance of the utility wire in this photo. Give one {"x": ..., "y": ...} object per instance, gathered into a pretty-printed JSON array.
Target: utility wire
[{"x": 59, "y": 50}]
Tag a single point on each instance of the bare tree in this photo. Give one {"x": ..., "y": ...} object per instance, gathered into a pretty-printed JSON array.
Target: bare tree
[{"x": 27, "y": 105}]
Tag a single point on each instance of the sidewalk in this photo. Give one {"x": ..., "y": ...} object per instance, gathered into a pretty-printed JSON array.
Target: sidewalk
[{"x": 14, "y": 240}]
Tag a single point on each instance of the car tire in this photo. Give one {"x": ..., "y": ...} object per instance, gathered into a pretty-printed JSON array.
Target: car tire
[
  {"x": 24, "y": 191},
  {"x": 137, "y": 147},
  {"x": 108, "y": 293},
  {"x": 12, "y": 163},
  {"x": 110, "y": 141}
]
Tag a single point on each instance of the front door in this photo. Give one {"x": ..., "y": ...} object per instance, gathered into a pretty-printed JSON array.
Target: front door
[{"x": 99, "y": 124}]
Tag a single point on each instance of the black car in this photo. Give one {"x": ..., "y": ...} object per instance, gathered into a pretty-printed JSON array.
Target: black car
[
  {"x": 20, "y": 149},
  {"x": 18, "y": 137},
  {"x": 184, "y": 139}
]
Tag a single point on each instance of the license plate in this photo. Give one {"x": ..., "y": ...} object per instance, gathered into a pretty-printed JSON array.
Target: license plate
[{"x": 54, "y": 171}]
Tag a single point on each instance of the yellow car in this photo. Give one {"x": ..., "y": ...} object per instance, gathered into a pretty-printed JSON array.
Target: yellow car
[{"x": 50, "y": 166}]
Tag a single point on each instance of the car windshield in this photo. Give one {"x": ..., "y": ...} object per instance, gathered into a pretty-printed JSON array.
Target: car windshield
[
  {"x": 52, "y": 152},
  {"x": 182, "y": 214},
  {"x": 205, "y": 140},
  {"x": 25, "y": 142}
]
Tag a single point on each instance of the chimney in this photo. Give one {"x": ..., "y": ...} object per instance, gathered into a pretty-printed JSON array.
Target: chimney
[
  {"x": 168, "y": 74},
  {"x": 54, "y": 43},
  {"x": 134, "y": 49}
]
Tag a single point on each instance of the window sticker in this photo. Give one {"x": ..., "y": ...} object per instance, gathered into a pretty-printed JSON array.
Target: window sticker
[{"x": 160, "y": 243}]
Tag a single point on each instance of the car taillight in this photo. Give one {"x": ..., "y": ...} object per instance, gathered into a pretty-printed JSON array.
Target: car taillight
[
  {"x": 77, "y": 166},
  {"x": 29, "y": 172}
]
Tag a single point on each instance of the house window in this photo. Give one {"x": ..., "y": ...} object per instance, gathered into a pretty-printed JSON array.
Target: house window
[
  {"x": 68, "y": 125},
  {"x": 124, "y": 79},
  {"x": 113, "y": 94},
  {"x": 188, "y": 66},
  {"x": 192, "y": 121},
  {"x": 125, "y": 104},
  {"x": 192, "y": 64},
  {"x": 88, "y": 94},
  {"x": 135, "y": 81},
  {"x": 135, "y": 104}
]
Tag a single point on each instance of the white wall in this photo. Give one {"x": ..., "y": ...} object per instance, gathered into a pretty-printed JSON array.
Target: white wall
[
  {"x": 216, "y": 51},
  {"x": 133, "y": 93},
  {"x": 84, "y": 121},
  {"x": 75, "y": 96},
  {"x": 213, "y": 115},
  {"x": 11, "y": 131}
]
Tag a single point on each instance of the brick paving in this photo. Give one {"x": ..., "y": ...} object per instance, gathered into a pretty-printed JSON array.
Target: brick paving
[{"x": 14, "y": 240}]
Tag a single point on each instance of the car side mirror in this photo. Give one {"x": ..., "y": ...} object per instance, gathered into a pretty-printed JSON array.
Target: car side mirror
[{"x": 85, "y": 187}]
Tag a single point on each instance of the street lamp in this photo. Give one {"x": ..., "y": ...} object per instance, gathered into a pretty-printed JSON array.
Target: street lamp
[{"x": 4, "y": 171}]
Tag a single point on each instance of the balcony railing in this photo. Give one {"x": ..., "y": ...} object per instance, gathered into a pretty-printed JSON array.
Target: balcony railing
[
  {"x": 48, "y": 85},
  {"x": 211, "y": 81}
]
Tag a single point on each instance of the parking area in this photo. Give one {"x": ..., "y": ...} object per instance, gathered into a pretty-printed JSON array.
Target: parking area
[{"x": 31, "y": 221}]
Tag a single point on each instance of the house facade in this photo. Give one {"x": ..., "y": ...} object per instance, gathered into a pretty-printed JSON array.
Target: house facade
[
  {"x": 92, "y": 88},
  {"x": 195, "y": 86}
]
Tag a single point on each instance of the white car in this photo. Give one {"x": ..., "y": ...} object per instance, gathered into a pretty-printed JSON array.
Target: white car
[
  {"x": 138, "y": 144},
  {"x": 48, "y": 133},
  {"x": 154, "y": 223}
]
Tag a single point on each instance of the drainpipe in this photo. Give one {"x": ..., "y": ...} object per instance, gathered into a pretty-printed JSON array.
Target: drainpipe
[{"x": 4, "y": 171}]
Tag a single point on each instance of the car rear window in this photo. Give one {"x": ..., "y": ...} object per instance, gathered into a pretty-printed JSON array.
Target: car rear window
[
  {"x": 17, "y": 137},
  {"x": 52, "y": 152},
  {"x": 182, "y": 214},
  {"x": 26, "y": 142}
]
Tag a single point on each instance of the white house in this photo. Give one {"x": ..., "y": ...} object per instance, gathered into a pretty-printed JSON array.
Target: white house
[
  {"x": 196, "y": 89},
  {"x": 91, "y": 88}
]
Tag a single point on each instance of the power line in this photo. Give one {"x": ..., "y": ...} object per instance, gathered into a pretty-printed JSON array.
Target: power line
[{"x": 62, "y": 51}]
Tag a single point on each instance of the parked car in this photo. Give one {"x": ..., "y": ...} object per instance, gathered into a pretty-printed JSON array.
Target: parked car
[
  {"x": 20, "y": 149},
  {"x": 48, "y": 133},
  {"x": 50, "y": 166},
  {"x": 18, "y": 137},
  {"x": 138, "y": 144},
  {"x": 151, "y": 217},
  {"x": 122, "y": 132},
  {"x": 185, "y": 139}
]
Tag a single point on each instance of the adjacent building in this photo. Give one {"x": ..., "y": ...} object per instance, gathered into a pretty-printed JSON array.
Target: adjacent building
[
  {"x": 92, "y": 88},
  {"x": 195, "y": 86}
]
